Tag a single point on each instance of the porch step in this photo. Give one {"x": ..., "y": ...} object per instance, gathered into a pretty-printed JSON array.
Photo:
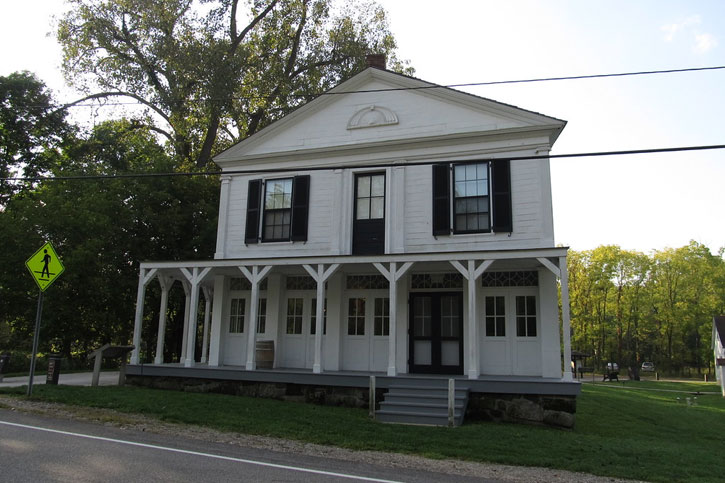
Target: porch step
[{"x": 425, "y": 402}]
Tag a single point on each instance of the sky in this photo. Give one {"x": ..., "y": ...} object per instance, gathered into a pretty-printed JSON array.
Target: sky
[{"x": 639, "y": 202}]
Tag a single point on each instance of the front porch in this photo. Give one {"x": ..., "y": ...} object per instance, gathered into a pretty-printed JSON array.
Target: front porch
[{"x": 229, "y": 336}]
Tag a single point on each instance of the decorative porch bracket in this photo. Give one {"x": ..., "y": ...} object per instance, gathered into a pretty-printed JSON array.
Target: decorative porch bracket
[
  {"x": 563, "y": 274},
  {"x": 208, "y": 295},
  {"x": 255, "y": 277},
  {"x": 320, "y": 276},
  {"x": 471, "y": 274},
  {"x": 393, "y": 275},
  {"x": 144, "y": 277},
  {"x": 166, "y": 283},
  {"x": 195, "y": 277}
]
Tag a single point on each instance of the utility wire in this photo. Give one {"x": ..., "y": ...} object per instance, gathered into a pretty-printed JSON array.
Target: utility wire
[
  {"x": 362, "y": 166},
  {"x": 434, "y": 86}
]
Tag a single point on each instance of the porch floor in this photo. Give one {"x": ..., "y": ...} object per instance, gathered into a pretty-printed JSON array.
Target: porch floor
[{"x": 484, "y": 383}]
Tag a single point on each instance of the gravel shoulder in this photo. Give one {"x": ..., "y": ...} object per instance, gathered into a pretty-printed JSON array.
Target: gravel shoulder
[{"x": 140, "y": 422}]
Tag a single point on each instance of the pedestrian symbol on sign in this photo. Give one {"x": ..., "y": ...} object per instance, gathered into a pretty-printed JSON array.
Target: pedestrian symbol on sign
[{"x": 45, "y": 266}]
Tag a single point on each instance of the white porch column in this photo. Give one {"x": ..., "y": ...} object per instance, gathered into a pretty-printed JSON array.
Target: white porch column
[
  {"x": 320, "y": 276},
  {"x": 254, "y": 277},
  {"x": 195, "y": 278},
  {"x": 563, "y": 273},
  {"x": 208, "y": 294},
  {"x": 221, "y": 286},
  {"x": 187, "y": 311},
  {"x": 165, "y": 283},
  {"x": 565, "y": 317},
  {"x": 144, "y": 277},
  {"x": 472, "y": 274},
  {"x": 394, "y": 274}
]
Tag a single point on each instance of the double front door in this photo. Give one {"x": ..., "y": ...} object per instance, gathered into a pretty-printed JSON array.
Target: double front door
[{"x": 436, "y": 333}]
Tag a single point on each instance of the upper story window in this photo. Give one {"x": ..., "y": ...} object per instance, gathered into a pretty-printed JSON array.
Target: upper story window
[
  {"x": 472, "y": 197},
  {"x": 370, "y": 197},
  {"x": 277, "y": 209},
  {"x": 277, "y": 219}
]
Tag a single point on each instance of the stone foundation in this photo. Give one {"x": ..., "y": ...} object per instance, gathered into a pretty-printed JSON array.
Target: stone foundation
[
  {"x": 558, "y": 411},
  {"x": 355, "y": 397}
]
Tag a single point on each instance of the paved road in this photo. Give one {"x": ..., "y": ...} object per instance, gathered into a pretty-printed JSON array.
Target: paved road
[
  {"x": 39, "y": 449},
  {"x": 74, "y": 379}
]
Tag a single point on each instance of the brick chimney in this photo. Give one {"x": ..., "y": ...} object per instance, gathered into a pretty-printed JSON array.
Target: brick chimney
[{"x": 375, "y": 60}]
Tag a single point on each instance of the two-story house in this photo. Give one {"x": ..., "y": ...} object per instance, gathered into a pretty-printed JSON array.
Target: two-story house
[{"x": 390, "y": 227}]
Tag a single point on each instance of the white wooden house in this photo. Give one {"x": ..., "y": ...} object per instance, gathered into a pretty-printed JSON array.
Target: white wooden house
[
  {"x": 421, "y": 215},
  {"x": 718, "y": 348}
]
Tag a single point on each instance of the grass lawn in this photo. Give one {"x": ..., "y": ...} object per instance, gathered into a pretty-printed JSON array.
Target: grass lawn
[{"x": 632, "y": 430}]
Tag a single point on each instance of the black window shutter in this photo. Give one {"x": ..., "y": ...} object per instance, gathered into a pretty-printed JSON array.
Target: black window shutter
[
  {"x": 300, "y": 207},
  {"x": 254, "y": 200},
  {"x": 501, "y": 189},
  {"x": 441, "y": 199}
]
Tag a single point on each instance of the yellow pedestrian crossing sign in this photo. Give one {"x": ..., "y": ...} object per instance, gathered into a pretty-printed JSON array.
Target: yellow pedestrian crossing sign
[{"x": 45, "y": 266}]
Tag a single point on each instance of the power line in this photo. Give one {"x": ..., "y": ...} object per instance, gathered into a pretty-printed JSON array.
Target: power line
[
  {"x": 435, "y": 86},
  {"x": 363, "y": 166}
]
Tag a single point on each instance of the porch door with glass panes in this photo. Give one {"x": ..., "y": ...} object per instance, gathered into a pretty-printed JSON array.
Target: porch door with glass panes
[
  {"x": 368, "y": 230},
  {"x": 436, "y": 333}
]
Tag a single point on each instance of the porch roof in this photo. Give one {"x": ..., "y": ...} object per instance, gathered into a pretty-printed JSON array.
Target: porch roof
[{"x": 514, "y": 254}]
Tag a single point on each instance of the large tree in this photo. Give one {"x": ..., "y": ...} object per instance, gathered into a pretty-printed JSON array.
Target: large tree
[
  {"x": 101, "y": 228},
  {"x": 32, "y": 130},
  {"x": 211, "y": 72}
]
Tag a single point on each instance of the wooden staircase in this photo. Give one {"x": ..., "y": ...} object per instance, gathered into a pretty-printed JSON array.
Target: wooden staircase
[{"x": 422, "y": 401}]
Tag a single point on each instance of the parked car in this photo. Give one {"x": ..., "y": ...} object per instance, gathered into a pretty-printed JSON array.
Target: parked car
[
  {"x": 648, "y": 367},
  {"x": 612, "y": 366}
]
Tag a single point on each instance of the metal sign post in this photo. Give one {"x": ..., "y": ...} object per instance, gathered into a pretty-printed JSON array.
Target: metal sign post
[
  {"x": 36, "y": 337},
  {"x": 45, "y": 267}
]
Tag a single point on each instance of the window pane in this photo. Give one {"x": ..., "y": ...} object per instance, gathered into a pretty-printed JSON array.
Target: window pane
[
  {"x": 482, "y": 204},
  {"x": 378, "y": 186},
  {"x": 377, "y": 208},
  {"x": 460, "y": 189},
  {"x": 459, "y": 172},
  {"x": 363, "y": 187},
  {"x": 470, "y": 171},
  {"x": 461, "y": 222},
  {"x": 501, "y": 326},
  {"x": 490, "y": 327},
  {"x": 482, "y": 171},
  {"x": 471, "y": 189},
  {"x": 520, "y": 305},
  {"x": 500, "y": 305},
  {"x": 530, "y": 305},
  {"x": 521, "y": 326},
  {"x": 490, "y": 305},
  {"x": 531, "y": 326},
  {"x": 363, "y": 209},
  {"x": 482, "y": 222}
]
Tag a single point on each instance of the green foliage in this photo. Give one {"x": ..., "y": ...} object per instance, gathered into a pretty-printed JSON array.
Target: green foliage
[
  {"x": 101, "y": 229},
  {"x": 211, "y": 72},
  {"x": 31, "y": 131},
  {"x": 630, "y": 431},
  {"x": 628, "y": 307}
]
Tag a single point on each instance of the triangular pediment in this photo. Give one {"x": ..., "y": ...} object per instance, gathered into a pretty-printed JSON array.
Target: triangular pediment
[{"x": 378, "y": 106}]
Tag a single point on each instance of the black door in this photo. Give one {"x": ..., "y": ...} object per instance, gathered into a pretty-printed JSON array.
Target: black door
[
  {"x": 368, "y": 229},
  {"x": 436, "y": 333}
]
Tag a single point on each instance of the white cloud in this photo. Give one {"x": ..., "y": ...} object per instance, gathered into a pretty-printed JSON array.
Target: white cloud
[
  {"x": 672, "y": 28},
  {"x": 704, "y": 43}
]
